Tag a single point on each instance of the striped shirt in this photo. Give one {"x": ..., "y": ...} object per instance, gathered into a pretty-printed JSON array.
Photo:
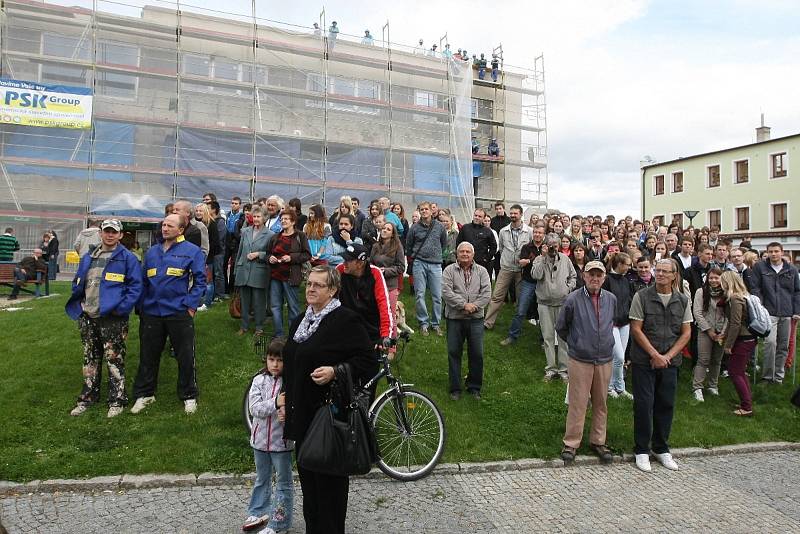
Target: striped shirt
[{"x": 8, "y": 245}]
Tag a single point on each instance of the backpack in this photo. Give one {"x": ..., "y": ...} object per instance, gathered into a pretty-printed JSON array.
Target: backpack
[{"x": 758, "y": 320}]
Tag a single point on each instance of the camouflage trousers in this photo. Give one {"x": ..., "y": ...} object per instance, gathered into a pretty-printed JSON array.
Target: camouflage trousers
[{"x": 103, "y": 339}]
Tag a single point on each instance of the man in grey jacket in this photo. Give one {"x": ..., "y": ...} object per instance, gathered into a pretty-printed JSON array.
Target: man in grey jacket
[
  {"x": 466, "y": 289},
  {"x": 555, "y": 279},
  {"x": 424, "y": 244},
  {"x": 586, "y": 321}
]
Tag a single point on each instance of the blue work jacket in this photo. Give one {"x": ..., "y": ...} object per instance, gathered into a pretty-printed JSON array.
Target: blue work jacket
[
  {"x": 120, "y": 285},
  {"x": 166, "y": 279}
]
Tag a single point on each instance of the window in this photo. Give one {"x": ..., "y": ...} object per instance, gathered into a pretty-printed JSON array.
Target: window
[
  {"x": 742, "y": 218},
  {"x": 778, "y": 165},
  {"x": 116, "y": 85},
  {"x": 779, "y": 218},
  {"x": 226, "y": 70},
  {"x": 63, "y": 75},
  {"x": 117, "y": 54},
  {"x": 658, "y": 184},
  {"x": 677, "y": 218},
  {"x": 195, "y": 65},
  {"x": 741, "y": 171},
  {"x": 677, "y": 182},
  {"x": 715, "y": 218},
  {"x": 65, "y": 46},
  {"x": 713, "y": 175},
  {"x": 426, "y": 99}
]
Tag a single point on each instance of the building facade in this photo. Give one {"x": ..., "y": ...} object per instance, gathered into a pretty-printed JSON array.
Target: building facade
[
  {"x": 188, "y": 101},
  {"x": 748, "y": 192}
]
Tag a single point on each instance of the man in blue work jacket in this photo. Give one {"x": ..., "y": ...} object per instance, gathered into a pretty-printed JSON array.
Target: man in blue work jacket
[
  {"x": 105, "y": 289},
  {"x": 174, "y": 282}
]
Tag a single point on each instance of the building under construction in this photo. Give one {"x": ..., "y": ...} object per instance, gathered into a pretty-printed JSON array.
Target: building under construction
[{"x": 188, "y": 100}]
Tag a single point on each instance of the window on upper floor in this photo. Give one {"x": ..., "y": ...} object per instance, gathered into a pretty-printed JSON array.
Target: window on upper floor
[
  {"x": 715, "y": 218},
  {"x": 677, "y": 182},
  {"x": 743, "y": 218},
  {"x": 658, "y": 184},
  {"x": 741, "y": 171},
  {"x": 778, "y": 165},
  {"x": 780, "y": 215},
  {"x": 713, "y": 176}
]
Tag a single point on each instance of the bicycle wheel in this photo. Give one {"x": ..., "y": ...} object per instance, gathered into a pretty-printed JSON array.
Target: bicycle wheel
[
  {"x": 246, "y": 417},
  {"x": 410, "y": 434}
]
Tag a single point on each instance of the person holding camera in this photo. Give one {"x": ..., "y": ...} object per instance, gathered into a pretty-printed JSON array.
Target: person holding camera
[{"x": 555, "y": 279}]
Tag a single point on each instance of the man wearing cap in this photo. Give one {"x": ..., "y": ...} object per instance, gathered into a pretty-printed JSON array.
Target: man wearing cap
[
  {"x": 555, "y": 279},
  {"x": 105, "y": 289},
  {"x": 466, "y": 289},
  {"x": 174, "y": 281},
  {"x": 364, "y": 291},
  {"x": 661, "y": 318},
  {"x": 586, "y": 322}
]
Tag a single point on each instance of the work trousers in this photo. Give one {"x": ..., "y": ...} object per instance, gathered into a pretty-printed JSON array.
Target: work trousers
[
  {"x": 153, "y": 333},
  {"x": 103, "y": 338},
  {"x": 548, "y": 315}
]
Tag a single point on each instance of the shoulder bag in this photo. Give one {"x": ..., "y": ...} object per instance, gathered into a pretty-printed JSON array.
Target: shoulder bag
[{"x": 339, "y": 440}]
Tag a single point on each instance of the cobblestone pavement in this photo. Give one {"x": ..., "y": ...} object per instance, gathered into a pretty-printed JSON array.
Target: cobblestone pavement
[{"x": 755, "y": 492}]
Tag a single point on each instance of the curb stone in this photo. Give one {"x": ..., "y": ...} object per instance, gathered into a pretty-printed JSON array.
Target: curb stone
[{"x": 117, "y": 482}]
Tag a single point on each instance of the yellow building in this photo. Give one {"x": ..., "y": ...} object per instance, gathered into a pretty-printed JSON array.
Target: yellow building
[{"x": 749, "y": 192}]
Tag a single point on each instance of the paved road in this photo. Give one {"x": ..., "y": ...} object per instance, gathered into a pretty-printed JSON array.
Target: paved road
[{"x": 756, "y": 492}]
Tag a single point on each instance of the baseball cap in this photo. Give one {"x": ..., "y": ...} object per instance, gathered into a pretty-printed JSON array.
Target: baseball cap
[
  {"x": 114, "y": 224},
  {"x": 355, "y": 251},
  {"x": 594, "y": 265}
]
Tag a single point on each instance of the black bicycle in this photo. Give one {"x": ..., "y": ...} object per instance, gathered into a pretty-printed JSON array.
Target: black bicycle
[{"x": 408, "y": 426}]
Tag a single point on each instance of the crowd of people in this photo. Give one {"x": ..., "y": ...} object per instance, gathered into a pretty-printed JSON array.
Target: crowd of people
[{"x": 611, "y": 302}]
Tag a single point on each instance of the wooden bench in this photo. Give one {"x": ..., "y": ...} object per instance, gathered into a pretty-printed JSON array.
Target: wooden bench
[{"x": 7, "y": 279}]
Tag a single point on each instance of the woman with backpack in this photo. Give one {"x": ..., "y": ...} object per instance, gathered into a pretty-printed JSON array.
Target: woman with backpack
[{"x": 739, "y": 343}]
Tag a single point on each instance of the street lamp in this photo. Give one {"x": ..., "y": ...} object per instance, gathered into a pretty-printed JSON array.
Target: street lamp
[{"x": 691, "y": 214}]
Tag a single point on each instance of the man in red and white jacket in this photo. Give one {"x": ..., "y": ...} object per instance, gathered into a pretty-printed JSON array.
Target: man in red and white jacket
[{"x": 364, "y": 291}]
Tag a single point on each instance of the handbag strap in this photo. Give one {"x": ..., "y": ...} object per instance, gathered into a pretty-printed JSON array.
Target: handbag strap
[{"x": 424, "y": 239}]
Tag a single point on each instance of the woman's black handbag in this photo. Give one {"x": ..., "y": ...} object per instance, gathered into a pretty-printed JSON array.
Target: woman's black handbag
[{"x": 339, "y": 440}]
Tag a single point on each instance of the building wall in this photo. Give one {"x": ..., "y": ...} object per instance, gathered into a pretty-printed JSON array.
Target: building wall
[{"x": 758, "y": 193}]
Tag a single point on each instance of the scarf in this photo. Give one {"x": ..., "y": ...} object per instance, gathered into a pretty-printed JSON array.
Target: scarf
[
  {"x": 337, "y": 236},
  {"x": 311, "y": 320},
  {"x": 646, "y": 278},
  {"x": 716, "y": 292}
]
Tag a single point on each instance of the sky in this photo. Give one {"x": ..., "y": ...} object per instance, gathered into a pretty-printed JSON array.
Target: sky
[{"x": 624, "y": 78}]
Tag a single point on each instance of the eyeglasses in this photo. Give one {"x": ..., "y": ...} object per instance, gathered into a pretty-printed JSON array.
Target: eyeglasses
[{"x": 316, "y": 285}]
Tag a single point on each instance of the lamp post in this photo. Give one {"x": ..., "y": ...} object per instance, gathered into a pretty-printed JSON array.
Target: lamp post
[{"x": 691, "y": 214}]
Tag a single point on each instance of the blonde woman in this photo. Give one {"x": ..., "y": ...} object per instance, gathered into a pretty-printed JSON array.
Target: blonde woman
[
  {"x": 203, "y": 214},
  {"x": 739, "y": 343}
]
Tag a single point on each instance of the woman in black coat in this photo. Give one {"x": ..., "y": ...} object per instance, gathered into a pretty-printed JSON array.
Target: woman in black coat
[{"x": 326, "y": 335}]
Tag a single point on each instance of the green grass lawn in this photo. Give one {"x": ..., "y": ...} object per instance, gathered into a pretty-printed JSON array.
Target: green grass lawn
[{"x": 520, "y": 416}]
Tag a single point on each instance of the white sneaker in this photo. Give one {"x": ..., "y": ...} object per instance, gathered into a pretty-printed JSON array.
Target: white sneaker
[
  {"x": 613, "y": 393},
  {"x": 643, "y": 462},
  {"x": 114, "y": 411},
  {"x": 534, "y": 322},
  {"x": 202, "y": 308},
  {"x": 625, "y": 395},
  {"x": 266, "y": 530},
  {"x": 190, "y": 406},
  {"x": 667, "y": 461},
  {"x": 253, "y": 522},
  {"x": 79, "y": 409},
  {"x": 141, "y": 403},
  {"x": 698, "y": 395},
  {"x": 713, "y": 391}
]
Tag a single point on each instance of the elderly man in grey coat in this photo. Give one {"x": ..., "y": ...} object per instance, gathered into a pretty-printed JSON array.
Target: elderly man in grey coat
[{"x": 466, "y": 289}]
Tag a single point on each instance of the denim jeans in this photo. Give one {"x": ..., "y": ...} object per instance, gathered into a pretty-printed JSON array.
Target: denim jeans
[
  {"x": 481, "y": 73},
  {"x": 428, "y": 276},
  {"x": 776, "y": 349},
  {"x": 621, "y": 334},
  {"x": 471, "y": 331},
  {"x": 277, "y": 291},
  {"x": 527, "y": 290},
  {"x": 52, "y": 267},
  {"x": 208, "y": 297},
  {"x": 219, "y": 275},
  {"x": 261, "y": 501}
]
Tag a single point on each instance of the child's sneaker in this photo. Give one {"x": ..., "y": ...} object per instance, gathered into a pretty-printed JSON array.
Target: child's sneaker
[
  {"x": 253, "y": 522},
  {"x": 267, "y": 530}
]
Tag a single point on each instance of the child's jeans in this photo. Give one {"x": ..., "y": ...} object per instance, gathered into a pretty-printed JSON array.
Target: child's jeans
[{"x": 261, "y": 502}]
